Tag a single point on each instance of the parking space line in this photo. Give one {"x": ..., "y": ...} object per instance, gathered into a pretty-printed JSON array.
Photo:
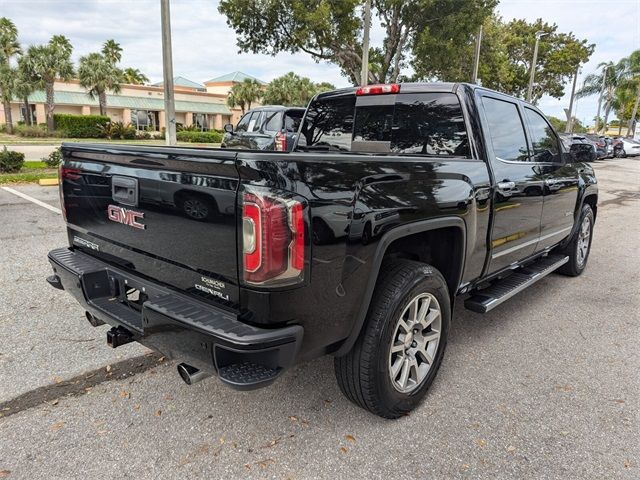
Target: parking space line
[{"x": 33, "y": 200}]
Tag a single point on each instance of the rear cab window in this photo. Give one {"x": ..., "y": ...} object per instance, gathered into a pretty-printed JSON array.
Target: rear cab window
[{"x": 429, "y": 124}]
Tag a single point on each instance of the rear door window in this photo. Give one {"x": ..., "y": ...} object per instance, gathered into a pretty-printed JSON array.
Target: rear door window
[
  {"x": 273, "y": 121},
  {"x": 506, "y": 130},
  {"x": 543, "y": 139},
  {"x": 292, "y": 120}
]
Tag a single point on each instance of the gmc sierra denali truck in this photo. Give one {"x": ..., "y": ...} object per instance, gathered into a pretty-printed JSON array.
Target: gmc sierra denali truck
[{"x": 395, "y": 200}]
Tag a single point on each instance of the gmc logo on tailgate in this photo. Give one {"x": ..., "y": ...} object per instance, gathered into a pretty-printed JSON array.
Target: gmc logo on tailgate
[{"x": 125, "y": 216}]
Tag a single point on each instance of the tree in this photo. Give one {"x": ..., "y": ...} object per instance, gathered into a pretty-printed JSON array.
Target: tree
[
  {"x": 559, "y": 125},
  {"x": 611, "y": 75},
  {"x": 331, "y": 30},
  {"x": 9, "y": 47},
  {"x": 632, "y": 76},
  {"x": 47, "y": 63},
  {"x": 26, "y": 84},
  {"x": 98, "y": 75},
  {"x": 506, "y": 55},
  {"x": 112, "y": 51},
  {"x": 134, "y": 76},
  {"x": 245, "y": 93},
  {"x": 292, "y": 90}
]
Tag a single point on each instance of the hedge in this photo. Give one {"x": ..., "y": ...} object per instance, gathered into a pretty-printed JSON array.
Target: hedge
[
  {"x": 10, "y": 161},
  {"x": 80, "y": 126},
  {"x": 199, "y": 137}
]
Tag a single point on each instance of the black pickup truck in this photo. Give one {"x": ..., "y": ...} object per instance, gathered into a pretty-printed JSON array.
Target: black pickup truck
[{"x": 395, "y": 200}]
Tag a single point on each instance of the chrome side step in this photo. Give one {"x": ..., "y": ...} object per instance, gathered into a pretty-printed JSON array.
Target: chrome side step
[{"x": 489, "y": 298}]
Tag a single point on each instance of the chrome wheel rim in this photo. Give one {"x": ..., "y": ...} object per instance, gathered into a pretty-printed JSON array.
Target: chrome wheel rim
[
  {"x": 196, "y": 209},
  {"x": 414, "y": 343},
  {"x": 584, "y": 240}
]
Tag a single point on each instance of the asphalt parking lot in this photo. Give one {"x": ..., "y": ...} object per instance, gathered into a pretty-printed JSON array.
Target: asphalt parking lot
[{"x": 545, "y": 386}]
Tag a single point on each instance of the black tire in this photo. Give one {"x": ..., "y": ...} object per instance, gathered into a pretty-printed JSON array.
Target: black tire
[
  {"x": 196, "y": 207},
  {"x": 363, "y": 374},
  {"x": 576, "y": 264}
]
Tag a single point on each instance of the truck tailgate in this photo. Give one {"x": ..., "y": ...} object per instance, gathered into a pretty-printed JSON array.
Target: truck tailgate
[{"x": 169, "y": 214}]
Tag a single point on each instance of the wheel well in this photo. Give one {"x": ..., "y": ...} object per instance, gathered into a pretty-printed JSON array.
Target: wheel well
[
  {"x": 442, "y": 248},
  {"x": 592, "y": 201}
]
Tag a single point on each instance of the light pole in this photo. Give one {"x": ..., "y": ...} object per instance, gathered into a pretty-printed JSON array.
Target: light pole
[
  {"x": 364, "y": 73},
  {"x": 167, "y": 72},
  {"x": 476, "y": 58},
  {"x": 539, "y": 35},
  {"x": 604, "y": 82}
]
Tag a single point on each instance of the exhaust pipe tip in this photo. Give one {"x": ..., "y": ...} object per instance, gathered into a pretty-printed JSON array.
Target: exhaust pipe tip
[{"x": 190, "y": 374}]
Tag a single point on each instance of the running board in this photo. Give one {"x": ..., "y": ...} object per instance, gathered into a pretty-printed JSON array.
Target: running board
[{"x": 489, "y": 298}]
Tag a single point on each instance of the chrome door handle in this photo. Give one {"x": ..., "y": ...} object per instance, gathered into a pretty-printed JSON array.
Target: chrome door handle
[{"x": 506, "y": 185}]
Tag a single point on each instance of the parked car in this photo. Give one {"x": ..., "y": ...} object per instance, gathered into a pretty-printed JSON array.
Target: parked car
[
  {"x": 625, "y": 147},
  {"x": 270, "y": 127},
  {"x": 609, "y": 145},
  {"x": 426, "y": 191},
  {"x": 600, "y": 144},
  {"x": 583, "y": 149}
]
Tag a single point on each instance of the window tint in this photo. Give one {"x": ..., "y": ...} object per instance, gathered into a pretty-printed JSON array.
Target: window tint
[
  {"x": 292, "y": 120},
  {"x": 506, "y": 130},
  {"x": 544, "y": 141},
  {"x": 328, "y": 124},
  {"x": 273, "y": 121},
  {"x": 242, "y": 124},
  {"x": 429, "y": 124},
  {"x": 373, "y": 123}
]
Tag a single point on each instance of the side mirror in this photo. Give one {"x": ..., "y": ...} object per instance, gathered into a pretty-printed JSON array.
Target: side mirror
[{"x": 228, "y": 128}]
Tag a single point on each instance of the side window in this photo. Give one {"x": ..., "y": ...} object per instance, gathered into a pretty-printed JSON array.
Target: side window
[
  {"x": 242, "y": 124},
  {"x": 429, "y": 124},
  {"x": 328, "y": 124},
  {"x": 292, "y": 121},
  {"x": 543, "y": 139},
  {"x": 506, "y": 130},
  {"x": 255, "y": 122},
  {"x": 273, "y": 121}
]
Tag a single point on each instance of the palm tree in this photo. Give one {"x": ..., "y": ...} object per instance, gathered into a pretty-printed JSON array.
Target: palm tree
[
  {"x": 134, "y": 76},
  {"x": 235, "y": 99},
  {"x": 26, "y": 84},
  {"x": 98, "y": 75},
  {"x": 633, "y": 77},
  {"x": 9, "y": 47},
  {"x": 611, "y": 75},
  {"x": 112, "y": 51},
  {"x": 48, "y": 63},
  {"x": 251, "y": 91}
]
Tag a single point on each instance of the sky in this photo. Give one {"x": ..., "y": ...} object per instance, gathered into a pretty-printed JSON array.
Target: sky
[{"x": 205, "y": 47}]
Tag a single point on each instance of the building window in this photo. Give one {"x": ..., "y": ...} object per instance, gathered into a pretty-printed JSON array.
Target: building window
[
  {"x": 23, "y": 113},
  {"x": 201, "y": 121},
  {"x": 145, "y": 120}
]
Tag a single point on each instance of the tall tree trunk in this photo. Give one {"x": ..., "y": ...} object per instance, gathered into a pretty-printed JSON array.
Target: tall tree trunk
[
  {"x": 632, "y": 120},
  {"x": 619, "y": 128},
  {"x": 607, "y": 110},
  {"x": 8, "y": 117},
  {"x": 50, "y": 106},
  {"x": 102, "y": 101},
  {"x": 27, "y": 111}
]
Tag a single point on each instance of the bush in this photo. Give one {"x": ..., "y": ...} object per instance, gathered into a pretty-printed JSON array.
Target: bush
[
  {"x": 32, "y": 131},
  {"x": 144, "y": 135},
  {"x": 80, "y": 126},
  {"x": 118, "y": 131},
  {"x": 10, "y": 161},
  {"x": 199, "y": 137},
  {"x": 54, "y": 158}
]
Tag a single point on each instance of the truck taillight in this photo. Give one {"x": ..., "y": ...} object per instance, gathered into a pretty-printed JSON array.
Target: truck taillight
[
  {"x": 281, "y": 142},
  {"x": 273, "y": 239}
]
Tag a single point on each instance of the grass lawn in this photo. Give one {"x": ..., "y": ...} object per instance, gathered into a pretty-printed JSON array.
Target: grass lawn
[
  {"x": 31, "y": 172},
  {"x": 18, "y": 140}
]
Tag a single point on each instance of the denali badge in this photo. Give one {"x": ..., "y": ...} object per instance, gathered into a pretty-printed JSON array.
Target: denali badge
[{"x": 126, "y": 216}]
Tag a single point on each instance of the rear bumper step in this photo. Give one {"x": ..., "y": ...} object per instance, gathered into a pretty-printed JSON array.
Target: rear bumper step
[
  {"x": 500, "y": 291},
  {"x": 209, "y": 338}
]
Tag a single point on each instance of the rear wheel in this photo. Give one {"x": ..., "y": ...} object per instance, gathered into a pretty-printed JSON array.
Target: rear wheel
[
  {"x": 580, "y": 245},
  {"x": 400, "y": 348}
]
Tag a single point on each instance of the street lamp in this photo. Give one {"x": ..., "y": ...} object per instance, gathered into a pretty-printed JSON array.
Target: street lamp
[{"x": 539, "y": 35}]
